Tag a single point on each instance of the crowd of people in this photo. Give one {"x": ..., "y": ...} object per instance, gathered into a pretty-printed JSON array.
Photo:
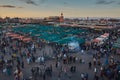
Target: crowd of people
[{"x": 15, "y": 54}]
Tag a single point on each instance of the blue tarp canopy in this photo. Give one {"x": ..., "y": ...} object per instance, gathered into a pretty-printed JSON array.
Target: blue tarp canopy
[
  {"x": 117, "y": 44},
  {"x": 60, "y": 35}
]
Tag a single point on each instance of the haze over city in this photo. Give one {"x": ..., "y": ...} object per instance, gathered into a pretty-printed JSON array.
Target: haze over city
[{"x": 70, "y": 8}]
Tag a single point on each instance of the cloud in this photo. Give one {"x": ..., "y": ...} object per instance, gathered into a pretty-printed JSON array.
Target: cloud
[
  {"x": 9, "y": 6},
  {"x": 119, "y": 3},
  {"x": 19, "y": 7},
  {"x": 65, "y": 3},
  {"x": 105, "y": 2},
  {"x": 42, "y": 1},
  {"x": 29, "y": 2},
  {"x": 33, "y": 2}
]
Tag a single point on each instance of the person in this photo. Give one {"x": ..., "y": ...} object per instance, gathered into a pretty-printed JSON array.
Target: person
[
  {"x": 9, "y": 71},
  {"x": 99, "y": 63},
  {"x": 65, "y": 71},
  {"x": 21, "y": 75},
  {"x": 4, "y": 71},
  {"x": 71, "y": 69},
  {"x": 95, "y": 70},
  {"x": 16, "y": 74},
  {"x": 32, "y": 71},
  {"x": 96, "y": 77},
  {"x": 90, "y": 65},
  {"x": 44, "y": 76},
  {"x": 51, "y": 70},
  {"x": 80, "y": 60},
  {"x": 101, "y": 72},
  {"x": 74, "y": 68},
  {"x": 42, "y": 59},
  {"x": 28, "y": 60},
  {"x": 94, "y": 61},
  {"x": 22, "y": 64},
  {"x": 33, "y": 58},
  {"x": 16, "y": 77},
  {"x": 56, "y": 64},
  {"x": 37, "y": 70},
  {"x": 82, "y": 51},
  {"x": 82, "y": 76},
  {"x": 86, "y": 76}
]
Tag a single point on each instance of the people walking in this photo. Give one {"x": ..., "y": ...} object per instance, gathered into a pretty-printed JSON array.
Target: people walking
[{"x": 90, "y": 65}]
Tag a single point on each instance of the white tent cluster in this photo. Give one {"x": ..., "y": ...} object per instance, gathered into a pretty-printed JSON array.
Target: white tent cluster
[
  {"x": 100, "y": 40},
  {"x": 73, "y": 46}
]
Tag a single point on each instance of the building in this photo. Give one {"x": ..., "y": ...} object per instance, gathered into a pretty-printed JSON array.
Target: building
[
  {"x": 54, "y": 18},
  {"x": 2, "y": 20}
]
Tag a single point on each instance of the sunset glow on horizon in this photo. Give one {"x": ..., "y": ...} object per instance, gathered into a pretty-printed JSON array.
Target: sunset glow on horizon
[{"x": 70, "y": 8}]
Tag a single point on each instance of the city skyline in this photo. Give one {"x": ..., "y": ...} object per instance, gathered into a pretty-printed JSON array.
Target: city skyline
[{"x": 70, "y": 8}]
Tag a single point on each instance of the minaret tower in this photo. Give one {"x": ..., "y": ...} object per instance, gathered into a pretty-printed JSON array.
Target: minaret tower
[{"x": 61, "y": 18}]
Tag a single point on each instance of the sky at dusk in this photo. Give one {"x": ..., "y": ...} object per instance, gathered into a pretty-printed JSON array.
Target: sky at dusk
[{"x": 70, "y": 8}]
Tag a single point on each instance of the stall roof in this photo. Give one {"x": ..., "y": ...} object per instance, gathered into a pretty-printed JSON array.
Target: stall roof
[{"x": 117, "y": 44}]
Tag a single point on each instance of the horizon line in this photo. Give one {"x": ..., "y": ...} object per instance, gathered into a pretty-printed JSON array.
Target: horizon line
[{"x": 55, "y": 15}]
